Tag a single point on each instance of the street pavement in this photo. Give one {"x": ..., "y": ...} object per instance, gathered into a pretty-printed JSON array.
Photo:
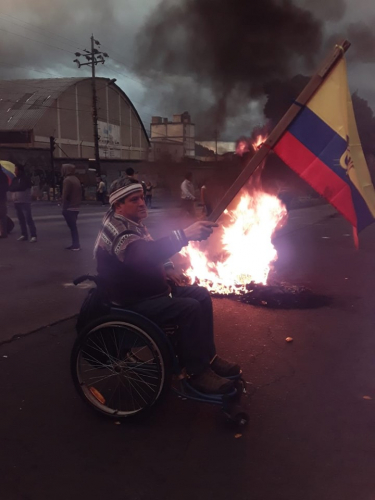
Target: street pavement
[{"x": 311, "y": 433}]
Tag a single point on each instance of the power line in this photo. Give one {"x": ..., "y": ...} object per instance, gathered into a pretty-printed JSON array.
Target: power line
[
  {"x": 5, "y": 65},
  {"x": 54, "y": 36},
  {"x": 37, "y": 41}
]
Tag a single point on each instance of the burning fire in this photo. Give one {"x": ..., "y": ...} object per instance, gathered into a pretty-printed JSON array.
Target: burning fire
[
  {"x": 248, "y": 252},
  {"x": 246, "y": 242},
  {"x": 244, "y": 145}
]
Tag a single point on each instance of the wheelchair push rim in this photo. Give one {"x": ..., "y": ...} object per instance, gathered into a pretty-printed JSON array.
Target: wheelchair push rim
[{"x": 118, "y": 369}]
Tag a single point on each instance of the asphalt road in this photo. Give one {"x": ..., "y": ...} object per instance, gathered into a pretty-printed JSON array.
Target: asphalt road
[{"x": 312, "y": 416}]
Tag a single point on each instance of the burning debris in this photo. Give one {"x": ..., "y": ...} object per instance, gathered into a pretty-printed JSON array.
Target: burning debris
[
  {"x": 275, "y": 296},
  {"x": 247, "y": 253},
  {"x": 242, "y": 267}
]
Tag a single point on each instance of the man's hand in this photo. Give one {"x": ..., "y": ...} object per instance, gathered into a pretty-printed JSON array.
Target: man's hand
[
  {"x": 200, "y": 230},
  {"x": 174, "y": 276}
]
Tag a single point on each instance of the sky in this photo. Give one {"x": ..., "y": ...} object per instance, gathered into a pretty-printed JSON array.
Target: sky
[{"x": 167, "y": 63}]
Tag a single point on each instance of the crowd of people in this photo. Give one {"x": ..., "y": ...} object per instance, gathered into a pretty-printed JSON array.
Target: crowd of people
[{"x": 72, "y": 193}]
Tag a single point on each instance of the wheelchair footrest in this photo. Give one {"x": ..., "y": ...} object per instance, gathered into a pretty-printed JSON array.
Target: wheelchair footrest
[{"x": 185, "y": 390}]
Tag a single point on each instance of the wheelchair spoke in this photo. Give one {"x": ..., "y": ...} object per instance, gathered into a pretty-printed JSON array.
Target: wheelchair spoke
[{"x": 119, "y": 369}]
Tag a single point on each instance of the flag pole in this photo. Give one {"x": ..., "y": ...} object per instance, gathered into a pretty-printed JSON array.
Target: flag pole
[{"x": 315, "y": 82}]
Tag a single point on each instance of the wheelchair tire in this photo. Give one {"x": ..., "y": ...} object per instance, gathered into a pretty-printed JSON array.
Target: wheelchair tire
[{"x": 121, "y": 365}]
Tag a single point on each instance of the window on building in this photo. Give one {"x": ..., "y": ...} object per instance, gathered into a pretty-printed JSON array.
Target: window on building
[
  {"x": 21, "y": 101},
  {"x": 38, "y": 102}
]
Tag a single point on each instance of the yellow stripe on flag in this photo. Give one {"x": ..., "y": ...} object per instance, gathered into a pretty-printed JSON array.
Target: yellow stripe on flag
[{"x": 329, "y": 101}]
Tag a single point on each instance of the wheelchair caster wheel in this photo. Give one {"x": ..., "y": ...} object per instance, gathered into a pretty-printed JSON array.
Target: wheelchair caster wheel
[{"x": 240, "y": 419}]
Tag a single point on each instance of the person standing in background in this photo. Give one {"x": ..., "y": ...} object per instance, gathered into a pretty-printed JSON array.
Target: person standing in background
[
  {"x": 71, "y": 199},
  {"x": 149, "y": 187},
  {"x": 21, "y": 195},
  {"x": 101, "y": 191},
  {"x": 207, "y": 208},
  {"x": 131, "y": 174},
  {"x": 187, "y": 195},
  {"x": 4, "y": 186}
]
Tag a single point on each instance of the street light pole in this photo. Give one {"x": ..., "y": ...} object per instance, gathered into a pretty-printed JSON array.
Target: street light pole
[
  {"x": 94, "y": 107},
  {"x": 93, "y": 57}
]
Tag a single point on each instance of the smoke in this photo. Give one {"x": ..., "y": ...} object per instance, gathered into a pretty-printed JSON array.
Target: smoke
[
  {"x": 44, "y": 37},
  {"x": 210, "y": 57},
  {"x": 231, "y": 47},
  {"x": 327, "y": 10}
]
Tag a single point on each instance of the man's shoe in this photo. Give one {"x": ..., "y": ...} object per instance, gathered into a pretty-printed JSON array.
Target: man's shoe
[
  {"x": 3, "y": 236},
  {"x": 209, "y": 382},
  {"x": 74, "y": 249},
  {"x": 33, "y": 239},
  {"x": 22, "y": 238},
  {"x": 225, "y": 368}
]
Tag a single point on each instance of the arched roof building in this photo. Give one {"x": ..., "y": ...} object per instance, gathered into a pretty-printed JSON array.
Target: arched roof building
[{"x": 34, "y": 110}]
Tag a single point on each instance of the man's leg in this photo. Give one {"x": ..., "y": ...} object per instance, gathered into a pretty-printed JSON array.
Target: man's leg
[
  {"x": 187, "y": 314},
  {"x": 3, "y": 219},
  {"x": 21, "y": 218},
  {"x": 219, "y": 366},
  {"x": 29, "y": 220},
  {"x": 201, "y": 295},
  {"x": 75, "y": 236},
  {"x": 191, "y": 208},
  {"x": 71, "y": 220}
]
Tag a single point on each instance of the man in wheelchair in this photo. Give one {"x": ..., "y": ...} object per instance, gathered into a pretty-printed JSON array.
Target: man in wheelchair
[{"x": 137, "y": 274}]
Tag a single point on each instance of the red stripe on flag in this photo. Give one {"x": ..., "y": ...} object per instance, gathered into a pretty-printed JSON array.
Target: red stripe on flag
[{"x": 316, "y": 173}]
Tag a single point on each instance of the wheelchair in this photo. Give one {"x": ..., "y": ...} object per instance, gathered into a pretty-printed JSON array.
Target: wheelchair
[{"x": 122, "y": 364}]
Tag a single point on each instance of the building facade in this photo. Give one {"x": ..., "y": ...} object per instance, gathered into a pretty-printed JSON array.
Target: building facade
[{"x": 174, "y": 139}]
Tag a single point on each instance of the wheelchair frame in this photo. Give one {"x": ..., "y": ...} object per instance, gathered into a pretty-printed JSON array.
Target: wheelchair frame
[{"x": 230, "y": 403}]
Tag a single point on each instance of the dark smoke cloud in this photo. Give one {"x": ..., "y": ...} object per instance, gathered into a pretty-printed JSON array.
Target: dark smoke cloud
[
  {"x": 209, "y": 57},
  {"x": 327, "y": 10},
  {"x": 232, "y": 47},
  {"x": 362, "y": 38},
  {"x": 66, "y": 24}
]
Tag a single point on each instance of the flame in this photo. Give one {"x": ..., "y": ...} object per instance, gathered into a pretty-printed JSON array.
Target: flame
[
  {"x": 242, "y": 147},
  {"x": 245, "y": 145},
  {"x": 258, "y": 141},
  {"x": 247, "y": 253}
]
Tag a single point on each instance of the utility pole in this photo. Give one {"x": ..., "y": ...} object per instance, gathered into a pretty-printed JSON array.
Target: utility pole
[
  {"x": 216, "y": 146},
  {"x": 52, "y": 143},
  {"x": 94, "y": 57}
]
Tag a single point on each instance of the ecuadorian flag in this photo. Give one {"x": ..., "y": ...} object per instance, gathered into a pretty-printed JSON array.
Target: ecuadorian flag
[{"x": 322, "y": 146}]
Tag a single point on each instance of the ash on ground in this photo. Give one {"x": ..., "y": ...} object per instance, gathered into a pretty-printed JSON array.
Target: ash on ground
[{"x": 278, "y": 296}]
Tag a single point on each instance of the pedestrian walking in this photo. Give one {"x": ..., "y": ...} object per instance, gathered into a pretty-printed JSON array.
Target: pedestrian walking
[
  {"x": 4, "y": 186},
  {"x": 188, "y": 195},
  {"x": 149, "y": 188},
  {"x": 21, "y": 195},
  {"x": 207, "y": 207},
  {"x": 101, "y": 191},
  {"x": 71, "y": 199}
]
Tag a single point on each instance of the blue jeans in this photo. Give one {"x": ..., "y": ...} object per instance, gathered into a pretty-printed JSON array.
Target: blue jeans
[
  {"x": 71, "y": 219},
  {"x": 190, "y": 308},
  {"x": 25, "y": 219}
]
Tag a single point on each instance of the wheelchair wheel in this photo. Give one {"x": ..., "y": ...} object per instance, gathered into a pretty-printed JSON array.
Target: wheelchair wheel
[{"x": 121, "y": 365}]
